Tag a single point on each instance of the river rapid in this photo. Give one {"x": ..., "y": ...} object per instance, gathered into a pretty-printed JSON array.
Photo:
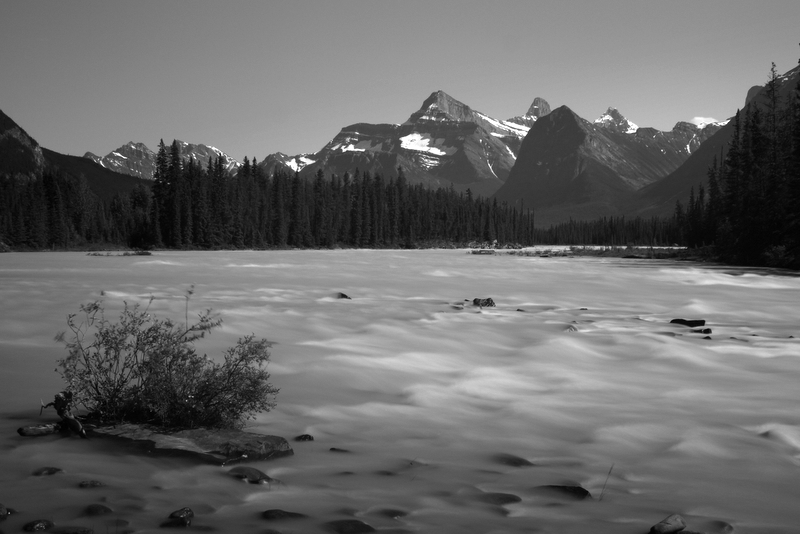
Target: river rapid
[{"x": 576, "y": 370}]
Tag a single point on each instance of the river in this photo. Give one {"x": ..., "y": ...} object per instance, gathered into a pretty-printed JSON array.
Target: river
[{"x": 577, "y": 370}]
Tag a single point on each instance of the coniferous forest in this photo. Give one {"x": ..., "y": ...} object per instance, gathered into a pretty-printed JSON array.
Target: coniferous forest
[
  {"x": 194, "y": 207},
  {"x": 747, "y": 212}
]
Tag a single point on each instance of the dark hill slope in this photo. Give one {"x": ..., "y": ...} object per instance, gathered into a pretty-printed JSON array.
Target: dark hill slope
[
  {"x": 103, "y": 182},
  {"x": 569, "y": 168},
  {"x": 21, "y": 154},
  {"x": 660, "y": 198},
  {"x": 563, "y": 170}
]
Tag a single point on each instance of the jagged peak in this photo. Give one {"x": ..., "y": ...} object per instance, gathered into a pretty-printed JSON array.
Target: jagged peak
[
  {"x": 137, "y": 145},
  {"x": 539, "y": 108},
  {"x": 563, "y": 114},
  {"x": 614, "y": 120},
  {"x": 685, "y": 125},
  {"x": 440, "y": 106}
]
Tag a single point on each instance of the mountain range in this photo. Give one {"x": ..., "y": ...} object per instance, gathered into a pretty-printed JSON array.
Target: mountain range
[
  {"x": 447, "y": 143},
  {"x": 20, "y": 154},
  {"x": 555, "y": 162},
  {"x": 571, "y": 168},
  {"x": 444, "y": 142},
  {"x": 135, "y": 159}
]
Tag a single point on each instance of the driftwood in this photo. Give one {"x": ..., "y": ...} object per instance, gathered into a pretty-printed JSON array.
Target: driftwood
[{"x": 63, "y": 405}]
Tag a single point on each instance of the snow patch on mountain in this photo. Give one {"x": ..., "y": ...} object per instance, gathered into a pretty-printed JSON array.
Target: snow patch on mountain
[
  {"x": 512, "y": 128},
  {"x": 297, "y": 163},
  {"x": 427, "y": 161},
  {"x": 422, "y": 143},
  {"x": 702, "y": 122}
]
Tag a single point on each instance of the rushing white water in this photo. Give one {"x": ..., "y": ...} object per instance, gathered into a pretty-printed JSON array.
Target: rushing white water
[{"x": 577, "y": 370}]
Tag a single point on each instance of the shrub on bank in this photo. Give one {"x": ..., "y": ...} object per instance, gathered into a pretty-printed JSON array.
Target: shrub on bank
[{"x": 142, "y": 369}]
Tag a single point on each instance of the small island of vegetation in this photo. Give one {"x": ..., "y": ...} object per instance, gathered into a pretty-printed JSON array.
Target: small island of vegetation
[{"x": 146, "y": 370}]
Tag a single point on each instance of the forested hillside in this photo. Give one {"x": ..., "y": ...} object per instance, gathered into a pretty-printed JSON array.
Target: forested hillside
[
  {"x": 750, "y": 207},
  {"x": 191, "y": 207}
]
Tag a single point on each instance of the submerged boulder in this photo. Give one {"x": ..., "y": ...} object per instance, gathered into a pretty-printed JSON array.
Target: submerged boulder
[
  {"x": 214, "y": 446},
  {"x": 574, "y": 493},
  {"x": 483, "y": 303},
  {"x": 276, "y": 514},
  {"x": 37, "y": 525},
  {"x": 348, "y": 526},
  {"x": 511, "y": 460},
  {"x": 498, "y": 499},
  {"x": 97, "y": 509},
  {"x": 47, "y": 471}
]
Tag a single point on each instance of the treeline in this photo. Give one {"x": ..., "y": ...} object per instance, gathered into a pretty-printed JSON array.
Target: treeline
[
  {"x": 195, "y": 207},
  {"x": 613, "y": 231},
  {"x": 57, "y": 211},
  {"x": 190, "y": 206},
  {"x": 750, "y": 210}
]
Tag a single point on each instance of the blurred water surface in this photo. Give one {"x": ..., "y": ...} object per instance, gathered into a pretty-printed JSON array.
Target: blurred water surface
[{"x": 577, "y": 370}]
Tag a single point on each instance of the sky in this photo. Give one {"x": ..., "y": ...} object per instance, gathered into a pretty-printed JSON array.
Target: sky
[{"x": 257, "y": 77}]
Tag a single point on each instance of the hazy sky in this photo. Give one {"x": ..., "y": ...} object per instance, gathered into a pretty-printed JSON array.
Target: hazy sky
[{"x": 256, "y": 77}]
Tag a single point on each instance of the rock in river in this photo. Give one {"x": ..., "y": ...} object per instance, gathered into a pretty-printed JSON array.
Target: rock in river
[
  {"x": 691, "y": 323},
  {"x": 251, "y": 475},
  {"x": 573, "y": 493},
  {"x": 38, "y": 525},
  {"x": 215, "y": 446},
  {"x": 183, "y": 512},
  {"x": 669, "y": 525}
]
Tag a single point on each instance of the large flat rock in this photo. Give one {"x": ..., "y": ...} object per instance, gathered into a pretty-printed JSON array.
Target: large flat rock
[{"x": 214, "y": 446}]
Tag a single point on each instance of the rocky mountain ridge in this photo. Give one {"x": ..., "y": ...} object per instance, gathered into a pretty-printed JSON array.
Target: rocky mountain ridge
[
  {"x": 445, "y": 142},
  {"x": 22, "y": 156},
  {"x": 136, "y": 159},
  {"x": 570, "y": 168}
]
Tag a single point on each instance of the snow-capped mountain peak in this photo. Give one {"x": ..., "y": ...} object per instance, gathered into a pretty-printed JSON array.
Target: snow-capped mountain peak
[
  {"x": 614, "y": 120},
  {"x": 135, "y": 159},
  {"x": 703, "y": 122}
]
